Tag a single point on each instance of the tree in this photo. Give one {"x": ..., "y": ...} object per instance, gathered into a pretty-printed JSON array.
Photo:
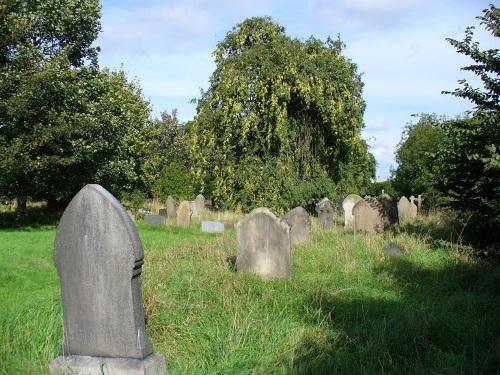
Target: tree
[
  {"x": 281, "y": 121},
  {"x": 415, "y": 157}
]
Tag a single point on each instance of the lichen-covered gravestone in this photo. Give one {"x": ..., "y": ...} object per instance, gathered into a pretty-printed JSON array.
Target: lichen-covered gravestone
[
  {"x": 347, "y": 206},
  {"x": 325, "y": 212},
  {"x": 406, "y": 210},
  {"x": 414, "y": 208},
  {"x": 263, "y": 242},
  {"x": 99, "y": 256},
  {"x": 154, "y": 220},
  {"x": 200, "y": 204},
  {"x": 300, "y": 224},
  {"x": 374, "y": 215},
  {"x": 194, "y": 209},
  {"x": 184, "y": 214},
  {"x": 171, "y": 214}
]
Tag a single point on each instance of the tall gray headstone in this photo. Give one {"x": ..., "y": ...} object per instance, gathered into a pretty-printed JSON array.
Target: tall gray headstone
[
  {"x": 99, "y": 259},
  {"x": 263, "y": 242},
  {"x": 300, "y": 224},
  {"x": 347, "y": 206},
  {"x": 419, "y": 203},
  {"x": 325, "y": 214},
  {"x": 194, "y": 209},
  {"x": 200, "y": 204},
  {"x": 184, "y": 214},
  {"x": 374, "y": 215},
  {"x": 171, "y": 213}
]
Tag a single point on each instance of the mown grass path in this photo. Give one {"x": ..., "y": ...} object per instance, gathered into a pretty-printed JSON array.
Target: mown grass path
[{"x": 348, "y": 309}]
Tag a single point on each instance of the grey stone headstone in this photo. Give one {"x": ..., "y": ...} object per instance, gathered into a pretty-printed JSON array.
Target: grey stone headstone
[
  {"x": 419, "y": 203},
  {"x": 374, "y": 215},
  {"x": 212, "y": 226},
  {"x": 184, "y": 214},
  {"x": 171, "y": 213},
  {"x": 263, "y": 242},
  {"x": 194, "y": 209},
  {"x": 347, "y": 205},
  {"x": 325, "y": 214},
  {"x": 99, "y": 257},
  {"x": 200, "y": 204},
  {"x": 300, "y": 224},
  {"x": 154, "y": 220},
  {"x": 406, "y": 209}
]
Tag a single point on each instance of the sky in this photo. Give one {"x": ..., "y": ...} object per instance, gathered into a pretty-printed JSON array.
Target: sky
[{"x": 398, "y": 45}]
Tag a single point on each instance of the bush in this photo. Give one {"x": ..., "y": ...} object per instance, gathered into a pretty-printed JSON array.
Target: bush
[{"x": 176, "y": 181}]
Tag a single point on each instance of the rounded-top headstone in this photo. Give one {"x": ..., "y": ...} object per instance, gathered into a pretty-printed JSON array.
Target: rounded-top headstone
[
  {"x": 374, "y": 215},
  {"x": 325, "y": 211},
  {"x": 200, "y": 204},
  {"x": 184, "y": 214},
  {"x": 348, "y": 205},
  {"x": 171, "y": 213},
  {"x": 263, "y": 244},
  {"x": 99, "y": 256},
  {"x": 406, "y": 210},
  {"x": 300, "y": 224}
]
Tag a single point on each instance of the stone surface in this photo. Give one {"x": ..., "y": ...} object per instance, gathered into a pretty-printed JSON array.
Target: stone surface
[
  {"x": 228, "y": 225},
  {"x": 419, "y": 203},
  {"x": 154, "y": 220},
  {"x": 200, "y": 204},
  {"x": 153, "y": 364},
  {"x": 374, "y": 215},
  {"x": 300, "y": 224},
  {"x": 163, "y": 212},
  {"x": 394, "y": 249},
  {"x": 171, "y": 213},
  {"x": 184, "y": 214},
  {"x": 212, "y": 226},
  {"x": 406, "y": 209},
  {"x": 347, "y": 205},
  {"x": 99, "y": 259},
  {"x": 194, "y": 209},
  {"x": 414, "y": 208},
  {"x": 263, "y": 242},
  {"x": 325, "y": 211}
]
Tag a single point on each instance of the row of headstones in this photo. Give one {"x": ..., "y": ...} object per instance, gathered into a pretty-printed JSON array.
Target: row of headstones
[{"x": 183, "y": 214}]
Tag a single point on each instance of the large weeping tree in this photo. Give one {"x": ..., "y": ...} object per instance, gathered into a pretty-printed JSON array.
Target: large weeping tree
[{"x": 280, "y": 123}]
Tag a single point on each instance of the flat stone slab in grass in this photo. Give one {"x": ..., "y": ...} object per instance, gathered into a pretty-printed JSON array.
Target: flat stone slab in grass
[
  {"x": 394, "y": 249},
  {"x": 263, "y": 242},
  {"x": 154, "y": 220},
  {"x": 99, "y": 258},
  {"x": 212, "y": 226},
  {"x": 299, "y": 221}
]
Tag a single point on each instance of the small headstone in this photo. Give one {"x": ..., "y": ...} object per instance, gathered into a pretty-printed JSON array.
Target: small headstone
[
  {"x": 348, "y": 205},
  {"x": 171, "y": 214},
  {"x": 374, "y": 215},
  {"x": 200, "y": 204},
  {"x": 300, "y": 224},
  {"x": 264, "y": 244},
  {"x": 325, "y": 214},
  {"x": 99, "y": 257},
  {"x": 419, "y": 203},
  {"x": 162, "y": 212},
  {"x": 184, "y": 214},
  {"x": 154, "y": 220},
  {"x": 194, "y": 209},
  {"x": 212, "y": 226},
  {"x": 394, "y": 249},
  {"x": 406, "y": 209}
]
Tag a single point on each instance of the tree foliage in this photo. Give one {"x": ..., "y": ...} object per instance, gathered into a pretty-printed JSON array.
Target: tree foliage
[{"x": 280, "y": 119}]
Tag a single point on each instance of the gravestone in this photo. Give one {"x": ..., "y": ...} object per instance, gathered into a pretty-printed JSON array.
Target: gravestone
[
  {"x": 414, "y": 208},
  {"x": 162, "y": 212},
  {"x": 300, "y": 224},
  {"x": 171, "y": 214},
  {"x": 325, "y": 214},
  {"x": 348, "y": 205},
  {"x": 154, "y": 220},
  {"x": 212, "y": 226},
  {"x": 200, "y": 204},
  {"x": 374, "y": 215},
  {"x": 184, "y": 214},
  {"x": 406, "y": 209},
  {"x": 419, "y": 203},
  {"x": 194, "y": 210},
  {"x": 263, "y": 242},
  {"x": 99, "y": 257},
  {"x": 394, "y": 249}
]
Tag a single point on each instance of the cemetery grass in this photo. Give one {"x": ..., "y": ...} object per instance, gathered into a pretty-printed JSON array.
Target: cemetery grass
[{"x": 348, "y": 309}]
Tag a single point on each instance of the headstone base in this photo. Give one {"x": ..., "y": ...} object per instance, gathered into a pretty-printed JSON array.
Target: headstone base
[{"x": 154, "y": 364}]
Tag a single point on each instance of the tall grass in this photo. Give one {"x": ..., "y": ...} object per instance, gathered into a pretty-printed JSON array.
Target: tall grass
[{"x": 349, "y": 308}]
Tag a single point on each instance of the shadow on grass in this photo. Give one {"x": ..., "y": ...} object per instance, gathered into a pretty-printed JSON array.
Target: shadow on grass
[
  {"x": 37, "y": 217},
  {"x": 444, "y": 321}
]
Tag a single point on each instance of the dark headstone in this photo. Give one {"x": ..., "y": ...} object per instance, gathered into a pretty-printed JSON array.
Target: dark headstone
[
  {"x": 162, "y": 212},
  {"x": 325, "y": 214}
]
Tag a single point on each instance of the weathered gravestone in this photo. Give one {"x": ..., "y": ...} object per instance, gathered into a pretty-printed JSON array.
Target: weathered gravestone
[
  {"x": 194, "y": 209},
  {"x": 154, "y": 220},
  {"x": 171, "y": 214},
  {"x": 406, "y": 210},
  {"x": 325, "y": 211},
  {"x": 98, "y": 255},
  {"x": 414, "y": 208},
  {"x": 348, "y": 205},
  {"x": 300, "y": 224},
  {"x": 184, "y": 214},
  {"x": 374, "y": 215},
  {"x": 212, "y": 226},
  {"x": 419, "y": 203},
  {"x": 200, "y": 204},
  {"x": 163, "y": 212},
  {"x": 263, "y": 242}
]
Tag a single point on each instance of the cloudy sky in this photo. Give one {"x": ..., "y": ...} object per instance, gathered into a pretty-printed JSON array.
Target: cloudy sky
[{"x": 398, "y": 45}]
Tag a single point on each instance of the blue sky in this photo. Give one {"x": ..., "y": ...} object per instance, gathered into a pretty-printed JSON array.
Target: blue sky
[{"x": 398, "y": 45}]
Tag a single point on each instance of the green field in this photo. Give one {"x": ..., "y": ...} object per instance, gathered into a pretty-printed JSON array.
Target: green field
[{"x": 348, "y": 309}]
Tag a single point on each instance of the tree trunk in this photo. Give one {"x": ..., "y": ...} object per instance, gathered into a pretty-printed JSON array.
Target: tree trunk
[{"x": 21, "y": 209}]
